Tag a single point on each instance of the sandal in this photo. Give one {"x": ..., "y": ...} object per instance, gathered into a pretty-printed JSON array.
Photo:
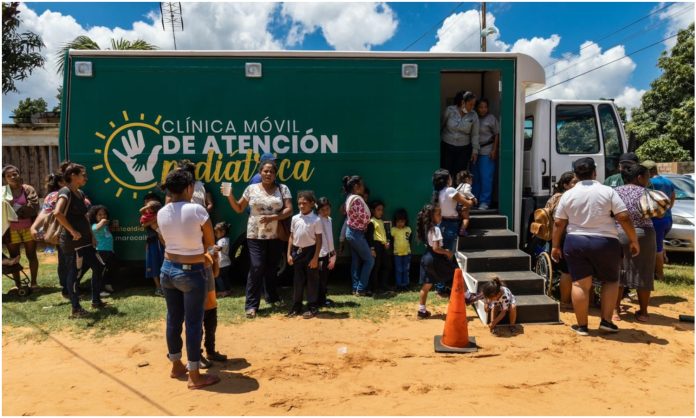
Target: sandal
[
  {"x": 209, "y": 380},
  {"x": 641, "y": 318}
]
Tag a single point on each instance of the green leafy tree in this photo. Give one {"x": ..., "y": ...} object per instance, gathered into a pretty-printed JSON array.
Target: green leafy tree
[
  {"x": 59, "y": 96},
  {"x": 20, "y": 51},
  {"x": 87, "y": 43},
  {"x": 28, "y": 107},
  {"x": 667, "y": 109},
  {"x": 662, "y": 149}
]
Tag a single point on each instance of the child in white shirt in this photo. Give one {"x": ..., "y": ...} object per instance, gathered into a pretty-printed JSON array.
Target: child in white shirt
[
  {"x": 303, "y": 253},
  {"x": 327, "y": 255}
]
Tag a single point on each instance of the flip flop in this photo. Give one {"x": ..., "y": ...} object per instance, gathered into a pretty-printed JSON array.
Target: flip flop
[
  {"x": 178, "y": 375},
  {"x": 641, "y": 318},
  {"x": 210, "y": 380}
]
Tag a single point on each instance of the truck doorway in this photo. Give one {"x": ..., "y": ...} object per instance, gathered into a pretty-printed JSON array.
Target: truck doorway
[{"x": 484, "y": 84}]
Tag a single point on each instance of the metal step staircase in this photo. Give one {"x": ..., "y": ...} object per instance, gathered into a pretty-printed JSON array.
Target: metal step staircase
[{"x": 490, "y": 250}]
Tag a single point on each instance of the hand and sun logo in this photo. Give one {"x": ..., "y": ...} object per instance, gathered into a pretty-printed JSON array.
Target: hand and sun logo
[{"x": 135, "y": 146}]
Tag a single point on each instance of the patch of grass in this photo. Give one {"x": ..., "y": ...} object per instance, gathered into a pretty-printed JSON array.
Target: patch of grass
[
  {"x": 679, "y": 280},
  {"x": 138, "y": 309}
]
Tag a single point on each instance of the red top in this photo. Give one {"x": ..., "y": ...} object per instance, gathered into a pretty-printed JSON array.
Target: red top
[{"x": 358, "y": 213}]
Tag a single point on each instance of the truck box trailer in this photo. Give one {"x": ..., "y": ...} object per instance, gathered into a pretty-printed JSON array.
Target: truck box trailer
[{"x": 128, "y": 116}]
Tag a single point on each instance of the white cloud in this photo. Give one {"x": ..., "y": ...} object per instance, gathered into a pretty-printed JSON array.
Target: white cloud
[
  {"x": 460, "y": 33},
  {"x": 207, "y": 26},
  {"x": 630, "y": 99},
  {"x": 679, "y": 16},
  {"x": 348, "y": 27},
  {"x": 607, "y": 82},
  {"x": 538, "y": 48}
]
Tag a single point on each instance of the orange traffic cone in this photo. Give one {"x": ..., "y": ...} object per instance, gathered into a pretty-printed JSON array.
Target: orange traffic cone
[{"x": 455, "y": 337}]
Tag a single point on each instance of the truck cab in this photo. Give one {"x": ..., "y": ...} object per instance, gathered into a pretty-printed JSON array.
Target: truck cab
[{"x": 558, "y": 132}]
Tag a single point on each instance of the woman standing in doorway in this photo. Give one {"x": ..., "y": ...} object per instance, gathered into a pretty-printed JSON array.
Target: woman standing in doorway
[
  {"x": 484, "y": 166},
  {"x": 459, "y": 134}
]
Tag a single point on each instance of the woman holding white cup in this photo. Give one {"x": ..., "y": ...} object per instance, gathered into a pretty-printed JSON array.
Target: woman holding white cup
[{"x": 269, "y": 203}]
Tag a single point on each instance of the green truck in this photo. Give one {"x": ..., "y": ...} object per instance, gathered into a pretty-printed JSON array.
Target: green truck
[{"x": 128, "y": 116}]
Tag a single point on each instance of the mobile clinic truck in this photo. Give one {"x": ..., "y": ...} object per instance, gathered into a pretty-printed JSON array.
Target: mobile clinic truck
[{"x": 128, "y": 116}]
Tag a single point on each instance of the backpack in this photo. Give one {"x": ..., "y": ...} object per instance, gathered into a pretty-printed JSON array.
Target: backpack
[
  {"x": 542, "y": 227},
  {"x": 52, "y": 228}
]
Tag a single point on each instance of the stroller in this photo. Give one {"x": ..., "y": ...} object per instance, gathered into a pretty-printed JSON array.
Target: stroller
[{"x": 10, "y": 267}]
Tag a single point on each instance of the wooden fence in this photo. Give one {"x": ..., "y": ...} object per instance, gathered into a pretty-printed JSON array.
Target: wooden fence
[{"x": 34, "y": 163}]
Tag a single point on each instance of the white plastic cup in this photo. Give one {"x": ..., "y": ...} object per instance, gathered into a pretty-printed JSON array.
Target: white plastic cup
[{"x": 226, "y": 188}]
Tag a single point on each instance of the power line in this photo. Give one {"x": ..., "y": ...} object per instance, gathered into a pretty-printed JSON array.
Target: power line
[
  {"x": 617, "y": 31},
  {"x": 434, "y": 27},
  {"x": 642, "y": 32},
  {"x": 604, "y": 65}
]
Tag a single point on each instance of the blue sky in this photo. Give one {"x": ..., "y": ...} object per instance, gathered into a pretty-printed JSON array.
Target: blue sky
[{"x": 551, "y": 32}]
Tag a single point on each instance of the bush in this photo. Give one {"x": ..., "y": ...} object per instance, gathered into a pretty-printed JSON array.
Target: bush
[
  {"x": 662, "y": 149},
  {"x": 28, "y": 107}
]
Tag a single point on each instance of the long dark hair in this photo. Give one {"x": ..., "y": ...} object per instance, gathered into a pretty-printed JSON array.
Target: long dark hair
[
  {"x": 52, "y": 182},
  {"x": 565, "y": 179},
  {"x": 70, "y": 170},
  {"x": 441, "y": 178},
  {"x": 349, "y": 182},
  {"x": 492, "y": 288},
  {"x": 425, "y": 220}
]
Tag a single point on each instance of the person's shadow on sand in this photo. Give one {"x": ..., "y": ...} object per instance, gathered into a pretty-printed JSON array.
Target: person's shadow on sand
[{"x": 233, "y": 383}]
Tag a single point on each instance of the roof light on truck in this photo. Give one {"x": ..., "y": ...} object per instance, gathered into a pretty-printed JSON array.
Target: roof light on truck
[
  {"x": 253, "y": 69},
  {"x": 83, "y": 69}
]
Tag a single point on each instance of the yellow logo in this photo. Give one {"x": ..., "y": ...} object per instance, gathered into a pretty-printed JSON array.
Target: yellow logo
[{"x": 130, "y": 154}]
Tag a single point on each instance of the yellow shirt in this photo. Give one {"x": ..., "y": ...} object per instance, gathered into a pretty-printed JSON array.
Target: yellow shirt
[
  {"x": 401, "y": 236},
  {"x": 380, "y": 232}
]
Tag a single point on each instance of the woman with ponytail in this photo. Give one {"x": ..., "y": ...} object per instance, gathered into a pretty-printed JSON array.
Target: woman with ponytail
[{"x": 358, "y": 218}]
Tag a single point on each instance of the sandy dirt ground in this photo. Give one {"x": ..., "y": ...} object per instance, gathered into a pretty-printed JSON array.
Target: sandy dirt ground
[{"x": 283, "y": 366}]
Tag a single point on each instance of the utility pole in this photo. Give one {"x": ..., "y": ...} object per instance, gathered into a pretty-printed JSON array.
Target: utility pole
[{"x": 483, "y": 26}]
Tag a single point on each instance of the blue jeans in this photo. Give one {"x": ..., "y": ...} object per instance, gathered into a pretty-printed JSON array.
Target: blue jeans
[
  {"x": 77, "y": 262},
  {"x": 185, "y": 287},
  {"x": 361, "y": 259},
  {"x": 402, "y": 265},
  {"x": 484, "y": 174}
]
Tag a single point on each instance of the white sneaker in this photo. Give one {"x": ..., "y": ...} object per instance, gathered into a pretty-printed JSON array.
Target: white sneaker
[
  {"x": 108, "y": 288},
  {"x": 483, "y": 206},
  {"x": 105, "y": 294}
]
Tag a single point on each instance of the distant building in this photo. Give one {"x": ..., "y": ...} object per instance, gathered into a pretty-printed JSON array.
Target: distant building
[{"x": 33, "y": 148}]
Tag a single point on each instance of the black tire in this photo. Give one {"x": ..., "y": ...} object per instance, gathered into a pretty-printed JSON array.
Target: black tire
[{"x": 544, "y": 268}]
